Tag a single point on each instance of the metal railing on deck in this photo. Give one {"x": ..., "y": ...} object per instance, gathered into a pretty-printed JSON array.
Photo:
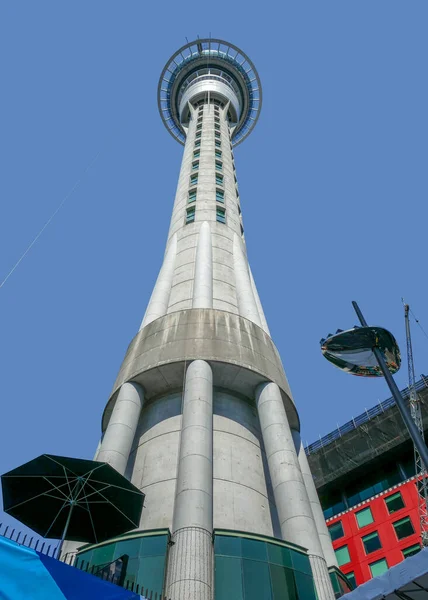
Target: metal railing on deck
[
  {"x": 363, "y": 418},
  {"x": 107, "y": 572}
]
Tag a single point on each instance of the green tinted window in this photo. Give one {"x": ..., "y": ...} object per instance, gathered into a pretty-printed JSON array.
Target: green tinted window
[
  {"x": 151, "y": 571},
  {"x": 371, "y": 542},
  {"x": 336, "y": 531},
  {"x": 403, "y": 528},
  {"x": 254, "y": 549},
  {"x": 342, "y": 555},
  {"x": 411, "y": 550},
  {"x": 103, "y": 555},
  {"x": 153, "y": 545},
  {"x": 283, "y": 583},
  {"x": 394, "y": 502},
  {"x": 301, "y": 562},
  {"x": 378, "y": 567},
  {"x": 228, "y": 546},
  {"x": 305, "y": 586},
  {"x": 256, "y": 580},
  {"x": 228, "y": 578},
  {"x": 364, "y": 517},
  {"x": 279, "y": 555},
  {"x": 351, "y": 578}
]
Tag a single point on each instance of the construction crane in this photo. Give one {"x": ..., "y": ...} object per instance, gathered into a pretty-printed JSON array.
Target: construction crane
[{"x": 415, "y": 410}]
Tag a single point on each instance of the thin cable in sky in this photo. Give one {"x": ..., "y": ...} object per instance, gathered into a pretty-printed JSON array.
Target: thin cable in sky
[{"x": 53, "y": 215}]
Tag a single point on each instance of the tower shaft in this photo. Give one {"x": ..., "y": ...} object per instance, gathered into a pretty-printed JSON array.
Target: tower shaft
[{"x": 201, "y": 416}]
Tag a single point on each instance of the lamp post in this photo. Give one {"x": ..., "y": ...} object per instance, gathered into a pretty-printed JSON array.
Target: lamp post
[{"x": 405, "y": 413}]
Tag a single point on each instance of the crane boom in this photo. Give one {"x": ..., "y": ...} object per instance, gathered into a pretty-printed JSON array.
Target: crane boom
[{"x": 415, "y": 410}]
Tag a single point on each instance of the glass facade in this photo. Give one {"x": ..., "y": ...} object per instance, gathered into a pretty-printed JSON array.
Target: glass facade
[
  {"x": 371, "y": 542},
  {"x": 336, "y": 531},
  {"x": 146, "y": 558},
  {"x": 341, "y": 583},
  {"x": 403, "y": 528},
  {"x": 257, "y": 568},
  {"x": 394, "y": 502},
  {"x": 364, "y": 517},
  {"x": 378, "y": 567},
  {"x": 342, "y": 555},
  {"x": 411, "y": 550}
]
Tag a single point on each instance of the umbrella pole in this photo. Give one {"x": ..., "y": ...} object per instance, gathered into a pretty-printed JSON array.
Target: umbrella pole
[
  {"x": 415, "y": 436},
  {"x": 64, "y": 533}
]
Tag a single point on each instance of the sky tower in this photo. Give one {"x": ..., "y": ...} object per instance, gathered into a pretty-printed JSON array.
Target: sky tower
[{"x": 201, "y": 417}]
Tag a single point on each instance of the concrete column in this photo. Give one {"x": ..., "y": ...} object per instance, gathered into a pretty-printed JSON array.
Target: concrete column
[
  {"x": 291, "y": 498},
  {"x": 203, "y": 282},
  {"x": 119, "y": 435},
  {"x": 190, "y": 565},
  {"x": 317, "y": 512},
  {"x": 246, "y": 302},
  {"x": 159, "y": 299}
]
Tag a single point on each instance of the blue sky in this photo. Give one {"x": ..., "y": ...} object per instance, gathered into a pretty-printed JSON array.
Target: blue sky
[{"x": 332, "y": 182}]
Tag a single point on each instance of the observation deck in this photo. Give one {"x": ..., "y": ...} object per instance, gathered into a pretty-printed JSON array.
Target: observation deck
[{"x": 204, "y": 69}]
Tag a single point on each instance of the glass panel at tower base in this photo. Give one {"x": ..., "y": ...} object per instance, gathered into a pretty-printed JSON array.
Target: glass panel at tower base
[
  {"x": 131, "y": 560},
  {"x": 258, "y": 568}
]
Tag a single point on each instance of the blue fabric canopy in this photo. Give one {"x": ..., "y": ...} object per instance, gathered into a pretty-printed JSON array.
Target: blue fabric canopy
[
  {"x": 28, "y": 575},
  {"x": 408, "y": 579}
]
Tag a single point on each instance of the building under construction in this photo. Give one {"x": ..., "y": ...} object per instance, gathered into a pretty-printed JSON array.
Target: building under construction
[{"x": 364, "y": 472}]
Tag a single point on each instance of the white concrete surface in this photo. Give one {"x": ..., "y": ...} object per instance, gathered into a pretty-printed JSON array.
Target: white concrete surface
[
  {"x": 119, "y": 435},
  {"x": 294, "y": 509},
  {"x": 317, "y": 511},
  {"x": 190, "y": 572}
]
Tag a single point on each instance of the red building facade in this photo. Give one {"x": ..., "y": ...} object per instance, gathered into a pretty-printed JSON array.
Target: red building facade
[{"x": 378, "y": 533}]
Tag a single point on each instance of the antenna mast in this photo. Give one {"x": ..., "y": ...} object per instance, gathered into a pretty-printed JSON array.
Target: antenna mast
[{"x": 415, "y": 410}]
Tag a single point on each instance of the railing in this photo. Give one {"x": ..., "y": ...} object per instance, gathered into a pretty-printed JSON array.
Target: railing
[
  {"x": 363, "y": 418},
  {"x": 112, "y": 572}
]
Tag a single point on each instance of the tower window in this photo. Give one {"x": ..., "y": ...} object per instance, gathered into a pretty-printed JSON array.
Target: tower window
[
  {"x": 194, "y": 179},
  {"x": 192, "y": 195},
  {"x": 242, "y": 229},
  {"x": 218, "y": 179},
  {"x": 197, "y": 143},
  {"x": 195, "y": 165},
  {"x": 221, "y": 215},
  {"x": 196, "y": 153},
  {"x": 239, "y": 208},
  {"x": 199, "y": 119},
  {"x": 216, "y": 133},
  {"x": 216, "y": 120},
  {"x": 218, "y": 153},
  {"x": 219, "y": 195},
  {"x": 218, "y": 143},
  {"x": 190, "y": 214},
  {"x": 217, "y": 126},
  {"x": 198, "y": 134},
  {"x": 218, "y": 165},
  {"x": 198, "y": 127}
]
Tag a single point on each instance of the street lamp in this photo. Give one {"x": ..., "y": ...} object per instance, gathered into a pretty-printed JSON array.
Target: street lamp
[{"x": 372, "y": 352}]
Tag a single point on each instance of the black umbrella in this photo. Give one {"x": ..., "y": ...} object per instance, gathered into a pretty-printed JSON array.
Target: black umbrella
[{"x": 73, "y": 499}]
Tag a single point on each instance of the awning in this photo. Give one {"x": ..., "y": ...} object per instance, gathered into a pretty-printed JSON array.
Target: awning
[{"x": 406, "y": 581}]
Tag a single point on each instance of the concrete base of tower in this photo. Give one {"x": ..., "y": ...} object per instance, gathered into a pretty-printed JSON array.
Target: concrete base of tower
[
  {"x": 226, "y": 565},
  {"x": 190, "y": 565}
]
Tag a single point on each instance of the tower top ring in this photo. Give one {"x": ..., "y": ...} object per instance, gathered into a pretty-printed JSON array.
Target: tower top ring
[{"x": 205, "y": 54}]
